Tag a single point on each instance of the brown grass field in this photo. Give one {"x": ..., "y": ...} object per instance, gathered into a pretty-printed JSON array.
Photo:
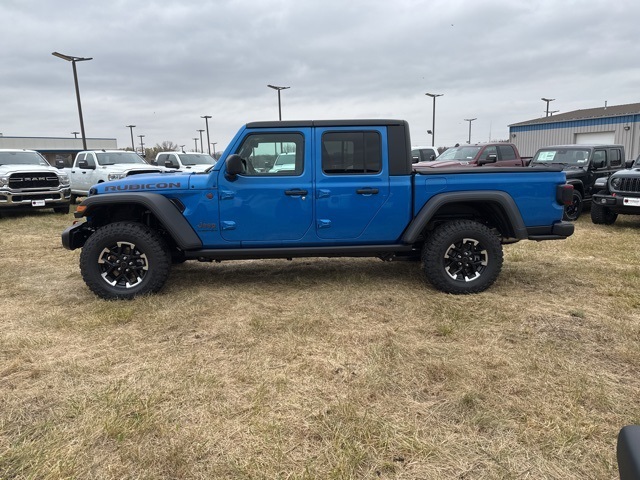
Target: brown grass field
[{"x": 320, "y": 368}]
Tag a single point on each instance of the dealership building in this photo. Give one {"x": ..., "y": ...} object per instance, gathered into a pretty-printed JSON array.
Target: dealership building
[
  {"x": 57, "y": 148},
  {"x": 618, "y": 124}
]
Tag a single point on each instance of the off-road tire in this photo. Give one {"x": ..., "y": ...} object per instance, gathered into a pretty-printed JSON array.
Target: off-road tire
[
  {"x": 574, "y": 209},
  {"x": 601, "y": 215},
  {"x": 462, "y": 256},
  {"x": 123, "y": 260}
]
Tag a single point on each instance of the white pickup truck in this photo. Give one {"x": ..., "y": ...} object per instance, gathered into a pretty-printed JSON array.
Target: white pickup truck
[
  {"x": 96, "y": 166},
  {"x": 185, "y": 161},
  {"x": 27, "y": 182}
]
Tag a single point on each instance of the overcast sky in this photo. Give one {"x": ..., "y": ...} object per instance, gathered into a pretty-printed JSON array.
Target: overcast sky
[{"x": 161, "y": 65}]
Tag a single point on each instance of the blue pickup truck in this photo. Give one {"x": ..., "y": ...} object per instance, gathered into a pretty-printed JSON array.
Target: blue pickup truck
[{"x": 350, "y": 190}]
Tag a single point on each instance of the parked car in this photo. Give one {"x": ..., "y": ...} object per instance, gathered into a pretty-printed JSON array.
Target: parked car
[
  {"x": 96, "y": 166},
  {"x": 185, "y": 161},
  {"x": 584, "y": 165},
  {"x": 616, "y": 195},
  {"x": 424, "y": 154},
  {"x": 491, "y": 154},
  {"x": 355, "y": 194},
  {"x": 284, "y": 162},
  {"x": 28, "y": 182}
]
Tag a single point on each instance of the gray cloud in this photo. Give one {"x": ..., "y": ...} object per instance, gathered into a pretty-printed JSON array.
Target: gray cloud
[{"x": 161, "y": 64}]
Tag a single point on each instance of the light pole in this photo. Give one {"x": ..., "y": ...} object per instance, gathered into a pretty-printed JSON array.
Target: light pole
[
  {"x": 73, "y": 61},
  {"x": 201, "y": 148},
  {"x": 133, "y": 146},
  {"x": 182, "y": 148},
  {"x": 206, "y": 121},
  {"x": 195, "y": 142},
  {"x": 469, "y": 120},
  {"x": 213, "y": 145},
  {"x": 548, "y": 100},
  {"x": 75, "y": 134},
  {"x": 141, "y": 144},
  {"x": 433, "y": 122},
  {"x": 275, "y": 87}
]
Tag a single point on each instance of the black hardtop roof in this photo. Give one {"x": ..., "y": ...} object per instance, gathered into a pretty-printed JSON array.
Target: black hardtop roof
[{"x": 326, "y": 123}]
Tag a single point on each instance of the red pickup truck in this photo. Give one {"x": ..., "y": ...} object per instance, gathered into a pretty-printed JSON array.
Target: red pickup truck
[{"x": 490, "y": 154}]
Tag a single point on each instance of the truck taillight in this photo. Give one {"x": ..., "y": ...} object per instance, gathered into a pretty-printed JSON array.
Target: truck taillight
[{"x": 564, "y": 194}]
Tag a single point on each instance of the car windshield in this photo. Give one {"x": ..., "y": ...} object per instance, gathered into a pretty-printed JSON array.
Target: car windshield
[
  {"x": 563, "y": 156},
  {"x": 199, "y": 159},
  {"x": 22, "y": 158},
  {"x": 112, "y": 158},
  {"x": 459, "y": 153}
]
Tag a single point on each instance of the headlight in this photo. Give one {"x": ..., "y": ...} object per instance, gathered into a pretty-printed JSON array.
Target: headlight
[
  {"x": 64, "y": 179},
  {"x": 615, "y": 183},
  {"x": 4, "y": 181},
  {"x": 115, "y": 176}
]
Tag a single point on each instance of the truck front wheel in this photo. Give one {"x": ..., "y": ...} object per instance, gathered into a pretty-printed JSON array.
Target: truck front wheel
[
  {"x": 462, "y": 256},
  {"x": 601, "y": 215},
  {"x": 123, "y": 260}
]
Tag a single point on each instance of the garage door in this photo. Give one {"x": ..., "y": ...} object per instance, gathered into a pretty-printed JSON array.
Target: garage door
[{"x": 598, "y": 138}]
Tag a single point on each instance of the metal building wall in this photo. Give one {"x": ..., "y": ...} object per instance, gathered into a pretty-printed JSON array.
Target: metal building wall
[{"x": 529, "y": 138}]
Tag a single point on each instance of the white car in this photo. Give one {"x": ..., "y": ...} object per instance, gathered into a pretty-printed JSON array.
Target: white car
[
  {"x": 185, "y": 161},
  {"x": 424, "y": 154},
  {"x": 285, "y": 162}
]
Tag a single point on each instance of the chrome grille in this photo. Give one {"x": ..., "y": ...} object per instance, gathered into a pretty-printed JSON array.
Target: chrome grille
[{"x": 33, "y": 180}]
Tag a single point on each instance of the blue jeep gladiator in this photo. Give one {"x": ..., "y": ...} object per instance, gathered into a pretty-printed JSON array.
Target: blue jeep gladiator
[{"x": 344, "y": 188}]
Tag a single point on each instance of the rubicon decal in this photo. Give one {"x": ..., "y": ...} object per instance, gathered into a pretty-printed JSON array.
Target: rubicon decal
[{"x": 142, "y": 186}]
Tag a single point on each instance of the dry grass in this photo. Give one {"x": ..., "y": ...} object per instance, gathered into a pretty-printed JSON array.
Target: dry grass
[{"x": 320, "y": 368}]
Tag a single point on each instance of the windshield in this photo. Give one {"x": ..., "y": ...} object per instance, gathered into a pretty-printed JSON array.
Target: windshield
[
  {"x": 112, "y": 158},
  {"x": 459, "y": 153},
  {"x": 199, "y": 159},
  {"x": 22, "y": 158},
  {"x": 564, "y": 156}
]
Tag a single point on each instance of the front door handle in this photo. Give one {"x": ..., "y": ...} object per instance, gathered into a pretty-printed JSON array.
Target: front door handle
[
  {"x": 296, "y": 193},
  {"x": 367, "y": 191}
]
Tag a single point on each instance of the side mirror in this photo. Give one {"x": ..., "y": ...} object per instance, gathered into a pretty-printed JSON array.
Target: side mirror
[
  {"x": 415, "y": 159},
  {"x": 491, "y": 158},
  {"x": 169, "y": 164},
  {"x": 628, "y": 164},
  {"x": 59, "y": 163},
  {"x": 234, "y": 166},
  {"x": 432, "y": 158},
  {"x": 84, "y": 165},
  {"x": 598, "y": 163}
]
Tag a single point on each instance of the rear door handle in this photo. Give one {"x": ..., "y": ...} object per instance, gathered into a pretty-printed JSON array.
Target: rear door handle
[
  {"x": 296, "y": 193},
  {"x": 367, "y": 191}
]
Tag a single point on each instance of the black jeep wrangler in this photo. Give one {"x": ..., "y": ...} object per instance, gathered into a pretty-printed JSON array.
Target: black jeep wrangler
[
  {"x": 619, "y": 194},
  {"x": 583, "y": 165}
]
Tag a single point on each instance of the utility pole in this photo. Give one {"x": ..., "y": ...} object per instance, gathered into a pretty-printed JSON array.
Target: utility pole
[
  {"x": 433, "y": 122},
  {"x": 469, "y": 120}
]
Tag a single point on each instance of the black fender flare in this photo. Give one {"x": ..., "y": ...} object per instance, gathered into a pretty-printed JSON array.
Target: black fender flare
[
  {"x": 503, "y": 199},
  {"x": 578, "y": 185},
  {"x": 165, "y": 211}
]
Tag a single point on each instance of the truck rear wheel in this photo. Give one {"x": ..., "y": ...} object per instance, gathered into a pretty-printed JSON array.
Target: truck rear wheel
[
  {"x": 462, "y": 256},
  {"x": 123, "y": 260}
]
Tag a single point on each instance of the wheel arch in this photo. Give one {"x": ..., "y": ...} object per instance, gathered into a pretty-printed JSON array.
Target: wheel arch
[
  {"x": 143, "y": 208},
  {"x": 497, "y": 208}
]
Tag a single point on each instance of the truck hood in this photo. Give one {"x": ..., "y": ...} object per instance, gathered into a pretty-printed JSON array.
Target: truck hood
[
  {"x": 131, "y": 167},
  {"x": 575, "y": 172},
  {"x": 9, "y": 169},
  {"x": 145, "y": 183},
  {"x": 444, "y": 164}
]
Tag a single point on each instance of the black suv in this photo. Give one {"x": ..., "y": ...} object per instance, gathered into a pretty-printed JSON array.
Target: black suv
[
  {"x": 619, "y": 195},
  {"x": 583, "y": 165}
]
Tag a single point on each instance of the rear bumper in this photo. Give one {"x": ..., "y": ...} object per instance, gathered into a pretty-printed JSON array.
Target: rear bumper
[{"x": 558, "y": 231}]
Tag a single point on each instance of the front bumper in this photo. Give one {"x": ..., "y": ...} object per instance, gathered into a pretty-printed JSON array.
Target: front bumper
[
  {"x": 618, "y": 203},
  {"x": 34, "y": 199}
]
